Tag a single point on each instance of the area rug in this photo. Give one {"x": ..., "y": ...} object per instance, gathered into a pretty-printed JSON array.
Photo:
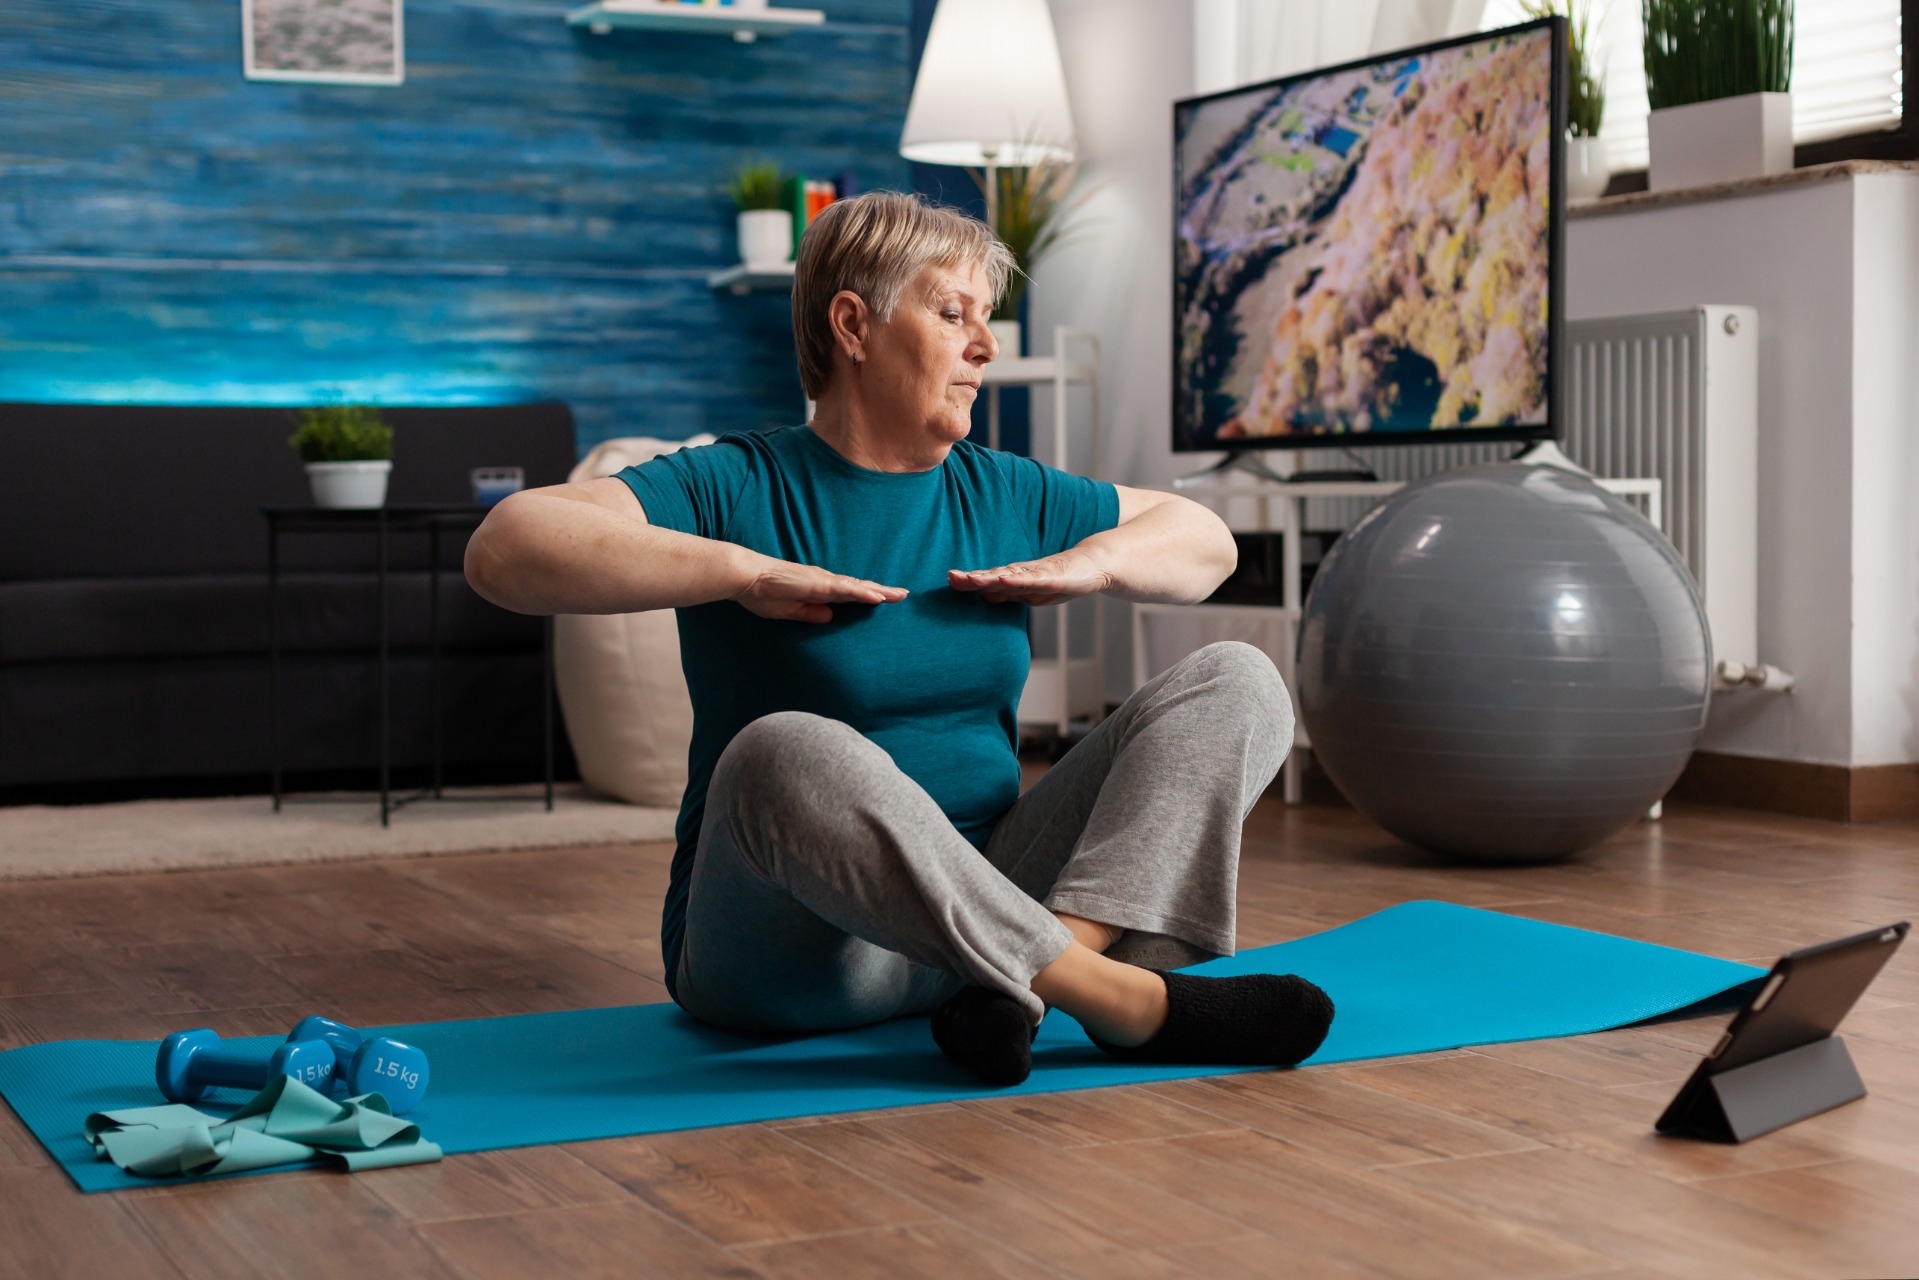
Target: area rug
[
  {"x": 43, "y": 841},
  {"x": 1414, "y": 978}
]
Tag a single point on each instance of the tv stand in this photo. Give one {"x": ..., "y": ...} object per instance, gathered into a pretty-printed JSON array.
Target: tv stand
[
  {"x": 1254, "y": 465},
  {"x": 1546, "y": 453},
  {"x": 1247, "y": 461},
  {"x": 1345, "y": 475}
]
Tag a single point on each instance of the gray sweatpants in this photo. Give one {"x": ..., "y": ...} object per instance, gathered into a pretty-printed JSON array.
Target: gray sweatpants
[{"x": 829, "y": 890}]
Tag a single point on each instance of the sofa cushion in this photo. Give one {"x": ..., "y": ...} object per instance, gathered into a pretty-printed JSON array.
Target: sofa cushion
[
  {"x": 141, "y": 490},
  {"x": 91, "y": 619},
  {"x": 208, "y": 717}
]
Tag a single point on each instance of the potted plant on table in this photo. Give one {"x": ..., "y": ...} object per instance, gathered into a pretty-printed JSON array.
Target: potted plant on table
[
  {"x": 1028, "y": 207},
  {"x": 1719, "y": 79},
  {"x": 765, "y": 225},
  {"x": 1587, "y": 171},
  {"x": 348, "y": 453}
]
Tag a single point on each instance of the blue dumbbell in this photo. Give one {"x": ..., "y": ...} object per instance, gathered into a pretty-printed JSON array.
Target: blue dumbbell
[
  {"x": 191, "y": 1062},
  {"x": 382, "y": 1065}
]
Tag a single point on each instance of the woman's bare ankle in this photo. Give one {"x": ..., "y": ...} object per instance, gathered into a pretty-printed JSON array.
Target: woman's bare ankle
[
  {"x": 1143, "y": 1010},
  {"x": 1091, "y": 934},
  {"x": 1121, "y": 1004}
]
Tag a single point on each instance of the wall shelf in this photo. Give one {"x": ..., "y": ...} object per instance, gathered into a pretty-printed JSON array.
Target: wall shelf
[
  {"x": 743, "y": 279},
  {"x": 1032, "y": 371},
  {"x": 744, "y": 23}
]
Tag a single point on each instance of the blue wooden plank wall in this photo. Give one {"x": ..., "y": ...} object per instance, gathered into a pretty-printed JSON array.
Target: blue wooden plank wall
[{"x": 531, "y": 216}]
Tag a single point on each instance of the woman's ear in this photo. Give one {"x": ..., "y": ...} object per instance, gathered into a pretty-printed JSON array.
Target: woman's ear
[{"x": 847, "y": 315}]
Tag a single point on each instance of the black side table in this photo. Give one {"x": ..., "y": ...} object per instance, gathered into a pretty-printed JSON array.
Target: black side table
[{"x": 382, "y": 522}]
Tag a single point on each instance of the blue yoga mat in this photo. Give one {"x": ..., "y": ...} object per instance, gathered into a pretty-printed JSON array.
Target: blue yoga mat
[{"x": 1417, "y": 977}]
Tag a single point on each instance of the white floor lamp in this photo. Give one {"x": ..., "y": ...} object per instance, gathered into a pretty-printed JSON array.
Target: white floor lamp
[{"x": 990, "y": 91}]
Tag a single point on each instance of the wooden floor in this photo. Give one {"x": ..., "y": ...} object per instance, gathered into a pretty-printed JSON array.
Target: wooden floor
[{"x": 1521, "y": 1160}]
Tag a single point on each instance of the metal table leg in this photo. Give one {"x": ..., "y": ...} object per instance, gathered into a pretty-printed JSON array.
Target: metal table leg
[
  {"x": 386, "y": 682},
  {"x": 546, "y": 692},
  {"x": 433, "y": 652},
  {"x": 273, "y": 648},
  {"x": 1292, "y": 529}
]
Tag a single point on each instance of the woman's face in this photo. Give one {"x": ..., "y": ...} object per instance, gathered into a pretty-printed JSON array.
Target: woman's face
[{"x": 921, "y": 367}]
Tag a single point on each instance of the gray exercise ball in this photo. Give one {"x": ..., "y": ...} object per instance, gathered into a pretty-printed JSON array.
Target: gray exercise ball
[{"x": 1504, "y": 664}]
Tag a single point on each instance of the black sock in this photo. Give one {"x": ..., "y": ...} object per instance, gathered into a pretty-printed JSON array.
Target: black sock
[
  {"x": 987, "y": 1033},
  {"x": 1256, "y": 1019}
]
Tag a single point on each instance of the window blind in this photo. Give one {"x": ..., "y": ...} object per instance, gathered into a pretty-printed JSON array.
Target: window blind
[{"x": 1845, "y": 70}]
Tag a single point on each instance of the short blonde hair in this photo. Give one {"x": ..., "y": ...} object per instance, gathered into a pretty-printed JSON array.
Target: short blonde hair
[{"x": 874, "y": 245}]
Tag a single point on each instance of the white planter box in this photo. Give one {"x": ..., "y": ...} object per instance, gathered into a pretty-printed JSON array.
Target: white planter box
[
  {"x": 1007, "y": 334},
  {"x": 1587, "y": 171},
  {"x": 1722, "y": 141},
  {"x": 766, "y": 237},
  {"x": 349, "y": 484}
]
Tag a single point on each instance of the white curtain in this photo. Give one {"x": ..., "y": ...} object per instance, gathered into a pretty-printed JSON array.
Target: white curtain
[{"x": 1239, "y": 42}]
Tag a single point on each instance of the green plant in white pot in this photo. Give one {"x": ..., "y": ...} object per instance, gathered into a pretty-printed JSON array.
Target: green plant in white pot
[
  {"x": 1028, "y": 207},
  {"x": 348, "y": 453},
  {"x": 765, "y": 225},
  {"x": 1719, "y": 79},
  {"x": 1587, "y": 171}
]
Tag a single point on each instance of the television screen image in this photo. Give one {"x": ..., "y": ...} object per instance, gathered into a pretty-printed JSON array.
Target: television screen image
[{"x": 1368, "y": 254}]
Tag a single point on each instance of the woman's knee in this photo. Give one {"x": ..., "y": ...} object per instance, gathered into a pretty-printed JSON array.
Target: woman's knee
[
  {"x": 1241, "y": 686},
  {"x": 785, "y": 745},
  {"x": 1244, "y": 673},
  {"x": 792, "y": 762}
]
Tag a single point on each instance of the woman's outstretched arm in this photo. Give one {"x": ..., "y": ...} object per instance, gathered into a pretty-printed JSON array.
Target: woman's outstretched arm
[
  {"x": 1165, "y": 548},
  {"x": 588, "y": 548}
]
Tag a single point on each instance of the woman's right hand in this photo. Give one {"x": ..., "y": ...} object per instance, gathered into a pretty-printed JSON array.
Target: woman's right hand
[{"x": 802, "y": 593}]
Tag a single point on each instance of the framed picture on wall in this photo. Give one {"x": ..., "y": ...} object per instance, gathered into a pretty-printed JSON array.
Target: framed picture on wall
[{"x": 324, "y": 41}]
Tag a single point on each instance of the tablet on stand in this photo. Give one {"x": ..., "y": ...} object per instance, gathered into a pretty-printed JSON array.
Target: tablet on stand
[{"x": 1779, "y": 1061}]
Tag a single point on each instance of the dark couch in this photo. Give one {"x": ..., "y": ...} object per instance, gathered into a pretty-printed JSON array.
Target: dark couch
[{"x": 133, "y": 605}]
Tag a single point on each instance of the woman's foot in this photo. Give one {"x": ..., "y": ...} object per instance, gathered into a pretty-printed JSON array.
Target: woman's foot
[
  {"x": 1256, "y": 1019},
  {"x": 987, "y": 1033}
]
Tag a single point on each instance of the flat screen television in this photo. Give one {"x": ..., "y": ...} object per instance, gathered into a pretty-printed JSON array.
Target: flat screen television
[{"x": 1372, "y": 253}]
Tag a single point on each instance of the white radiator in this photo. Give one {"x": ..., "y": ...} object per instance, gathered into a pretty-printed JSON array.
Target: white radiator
[{"x": 1673, "y": 396}]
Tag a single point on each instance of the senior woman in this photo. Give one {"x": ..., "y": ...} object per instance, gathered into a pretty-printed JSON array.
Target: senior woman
[{"x": 852, "y": 598}]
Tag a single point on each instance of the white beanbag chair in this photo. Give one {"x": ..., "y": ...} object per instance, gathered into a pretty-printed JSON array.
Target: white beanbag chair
[{"x": 627, "y": 710}]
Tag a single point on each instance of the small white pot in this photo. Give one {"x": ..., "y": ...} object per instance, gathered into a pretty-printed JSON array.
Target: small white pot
[
  {"x": 349, "y": 484},
  {"x": 766, "y": 237},
  {"x": 1006, "y": 333},
  {"x": 1586, "y": 169},
  {"x": 1721, "y": 141}
]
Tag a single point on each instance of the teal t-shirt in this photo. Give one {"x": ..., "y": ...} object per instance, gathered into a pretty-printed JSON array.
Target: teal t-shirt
[{"x": 935, "y": 679}]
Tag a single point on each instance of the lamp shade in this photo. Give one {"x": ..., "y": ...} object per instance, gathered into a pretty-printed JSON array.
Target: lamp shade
[{"x": 990, "y": 89}]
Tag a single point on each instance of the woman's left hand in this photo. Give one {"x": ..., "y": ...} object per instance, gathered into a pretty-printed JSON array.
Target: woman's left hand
[{"x": 1048, "y": 581}]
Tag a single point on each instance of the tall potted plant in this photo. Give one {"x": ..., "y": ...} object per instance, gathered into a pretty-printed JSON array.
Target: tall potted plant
[
  {"x": 1719, "y": 79},
  {"x": 1586, "y": 168},
  {"x": 1028, "y": 207},
  {"x": 765, "y": 227},
  {"x": 348, "y": 453}
]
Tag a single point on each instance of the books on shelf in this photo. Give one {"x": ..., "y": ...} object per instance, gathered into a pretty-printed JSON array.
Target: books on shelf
[{"x": 807, "y": 198}]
